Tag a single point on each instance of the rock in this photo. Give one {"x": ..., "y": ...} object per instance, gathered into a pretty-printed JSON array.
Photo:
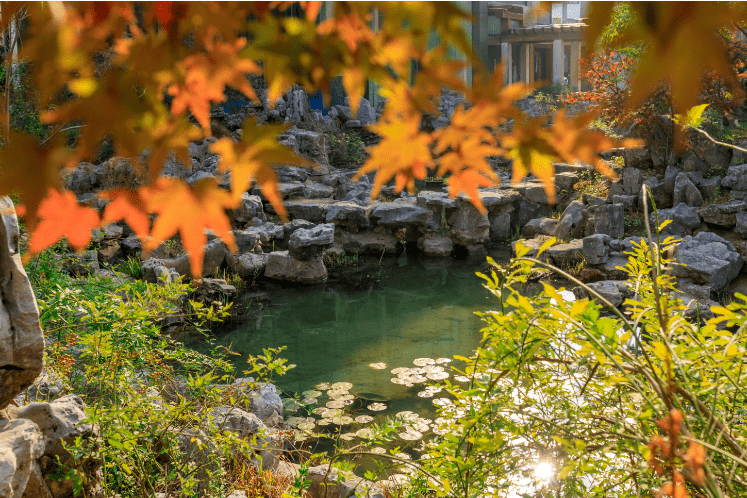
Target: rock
[
  {"x": 710, "y": 187},
  {"x": 724, "y": 215},
  {"x": 267, "y": 233},
  {"x": 21, "y": 443},
  {"x": 309, "y": 243},
  {"x": 714, "y": 156},
  {"x": 596, "y": 248},
  {"x": 265, "y": 400},
  {"x": 736, "y": 178},
  {"x": 662, "y": 197},
  {"x": 500, "y": 226},
  {"x": 215, "y": 255},
  {"x": 250, "y": 207},
  {"x": 608, "y": 289},
  {"x": 529, "y": 210},
  {"x": 670, "y": 177},
  {"x": 60, "y": 421},
  {"x": 435, "y": 245},
  {"x": 467, "y": 226},
  {"x": 571, "y": 223},
  {"x": 366, "y": 114},
  {"x": 539, "y": 226},
  {"x": 21, "y": 338},
  {"x": 326, "y": 483},
  {"x": 313, "y": 210},
  {"x": 632, "y": 180},
  {"x": 154, "y": 271},
  {"x": 247, "y": 426},
  {"x": 684, "y": 218},
  {"x": 496, "y": 200},
  {"x": 638, "y": 158},
  {"x": 208, "y": 290},
  {"x": 708, "y": 259},
  {"x": 36, "y": 487},
  {"x": 565, "y": 254},
  {"x": 247, "y": 240},
  {"x": 348, "y": 215},
  {"x": 289, "y": 190},
  {"x": 565, "y": 181},
  {"x": 536, "y": 194},
  {"x": 375, "y": 242},
  {"x": 318, "y": 191},
  {"x": 607, "y": 219},
  {"x": 393, "y": 214},
  {"x": 741, "y": 222},
  {"x": 282, "y": 266},
  {"x": 291, "y": 173},
  {"x": 686, "y": 191},
  {"x": 628, "y": 201},
  {"x": 247, "y": 265}
]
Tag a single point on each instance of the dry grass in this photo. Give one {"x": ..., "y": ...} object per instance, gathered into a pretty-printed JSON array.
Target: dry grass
[{"x": 264, "y": 484}]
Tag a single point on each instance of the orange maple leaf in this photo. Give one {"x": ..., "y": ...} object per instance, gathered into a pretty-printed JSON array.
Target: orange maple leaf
[
  {"x": 129, "y": 206},
  {"x": 252, "y": 159},
  {"x": 468, "y": 181},
  {"x": 189, "y": 211},
  {"x": 61, "y": 215}
]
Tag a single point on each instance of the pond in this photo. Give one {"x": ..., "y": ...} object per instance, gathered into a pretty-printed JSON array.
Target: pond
[{"x": 420, "y": 308}]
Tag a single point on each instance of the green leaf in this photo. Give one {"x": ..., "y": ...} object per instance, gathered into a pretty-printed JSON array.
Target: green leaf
[{"x": 693, "y": 118}]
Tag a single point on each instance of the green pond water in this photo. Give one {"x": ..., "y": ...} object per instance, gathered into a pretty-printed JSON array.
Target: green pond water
[{"x": 420, "y": 308}]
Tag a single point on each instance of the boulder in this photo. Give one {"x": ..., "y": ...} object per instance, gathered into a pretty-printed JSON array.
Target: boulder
[
  {"x": 154, "y": 271},
  {"x": 21, "y": 338},
  {"x": 21, "y": 444},
  {"x": 376, "y": 242},
  {"x": 467, "y": 226},
  {"x": 348, "y": 215},
  {"x": 309, "y": 243},
  {"x": 436, "y": 245},
  {"x": 247, "y": 265},
  {"x": 571, "y": 223},
  {"x": 565, "y": 181},
  {"x": 724, "y": 215},
  {"x": 500, "y": 226},
  {"x": 565, "y": 254},
  {"x": 318, "y": 191},
  {"x": 528, "y": 211},
  {"x": 628, "y": 201},
  {"x": 608, "y": 289},
  {"x": 736, "y": 178},
  {"x": 366, "y": 114},
  {"x": 533, "y": 245},
  {"x": 395, "y": 214},
  {"x": 662, "y": 197},
  {"x": 607, "y": 219},
  {"x": 331, "y": 483},
  {"x": 60, "y": 421},
  {"x": 246, "y": 240},
  {"x": 266, "y": 444},
  {"x": 495, "y": 200},
  {"x": 741, "y": 222},
  {"x": 265, "y": 401},
  {"x": 638, "y": 158},
  {"x": 250, "y": 207},
  {"x": 632, "y": 180},
  {"x": 282, "y": 266},
  {"x": 707, "y": 259},
  {"x": 686, "y": 191},
  {"x": 684, "y": 218},
  {"x": 596, "y": 249},
  {"x": 313, "y": 210},
  {"x": 710, "y": 187},
  {"x": 539, "y": 226}
]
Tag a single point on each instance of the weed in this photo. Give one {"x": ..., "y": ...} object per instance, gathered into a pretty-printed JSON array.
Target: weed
[
  {"x": 592, "y": 183},
  {"x": 131, "y": 266},
  {"x": 332, "y": 260}
]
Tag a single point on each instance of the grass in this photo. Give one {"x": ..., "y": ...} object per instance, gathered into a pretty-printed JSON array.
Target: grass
[
  {"x": 592, "y": 183},
  {"x": 131, "y": 266},
  {"x": 340, "y": 260}
]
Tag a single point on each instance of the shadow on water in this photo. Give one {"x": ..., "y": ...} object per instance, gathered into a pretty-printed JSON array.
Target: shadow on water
[{"x": 419, "y": 308}]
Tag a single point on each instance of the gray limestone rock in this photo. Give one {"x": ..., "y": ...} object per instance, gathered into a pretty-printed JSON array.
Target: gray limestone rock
[
  {"x": 435, "y": 245},
  {"x": 628, "y": 201},
  {"x": 707, "y": 259},
  {"x": 246, "y": 240},
  {"x": 662, "y": 197},
  {"x": 468, "y": 226},
  {"x": 530, "y": 210},
  {"x": 684, "y": 218},
  {"x": 670, "y": 176},
  {"x": 318, "y": 191},
  {"x": 21, "y": 443},
  {"x": 348, "y": 214},
  {"x": 375, "y": 241},
  {"x": 500, "y": 226},
  {"x": 632, "y": 180},
  {"x": 250, "y": 207},
  {"x": 724, "y": 215},
  {"x": 539, "y": 226},
  {"x": 366, "y": 114},
  {"x": 571, "y": 223},
  {"x": 638, "y": 158},
  {"x": 307, "y": 243},
  {"x": 607, "y": 219},
  {"x": 393, "y": 214},
  {"x": 736, "y": 178},
  {"x": 596, "y": 249},
  {"x": 266, "y": 443},
  {"x": 710, "y": 187},
  {"x": 608, "y": 289},
  {"x": 313, "y": 210},
  {"x": 686, "y": 191},
  {"x": 282, "y": 266},
  {"x": 564, "y": 254},
  {"x": 21, "y": 339},
  {"x": 247, "y": 265}
]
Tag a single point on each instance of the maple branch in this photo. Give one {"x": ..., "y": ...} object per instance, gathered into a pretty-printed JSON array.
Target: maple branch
[
  {"x": 709, "y": 137},
  {"x": 60, "y": 130}
]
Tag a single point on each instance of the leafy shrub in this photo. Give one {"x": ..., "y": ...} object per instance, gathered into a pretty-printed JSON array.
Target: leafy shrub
[{"x": 346, "y": 149}]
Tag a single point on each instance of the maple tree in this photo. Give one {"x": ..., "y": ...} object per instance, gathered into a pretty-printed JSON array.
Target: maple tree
[{"x": 186, "y": 54}]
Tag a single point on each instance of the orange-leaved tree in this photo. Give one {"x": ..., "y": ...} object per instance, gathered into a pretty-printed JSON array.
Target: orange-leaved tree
[{"x": 187, "y": 53}]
